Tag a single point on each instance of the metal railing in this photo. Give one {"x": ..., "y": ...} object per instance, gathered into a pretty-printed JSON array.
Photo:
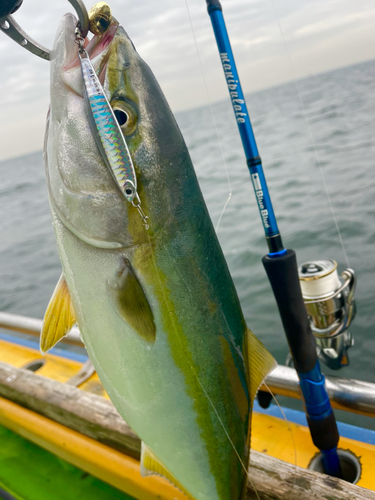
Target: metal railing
[
  {"x": 33, "y": 326},
  {"x": 345, "y": 394}
]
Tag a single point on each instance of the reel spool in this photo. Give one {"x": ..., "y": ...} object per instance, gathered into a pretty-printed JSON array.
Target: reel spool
[{"x": 330, "y": 304}]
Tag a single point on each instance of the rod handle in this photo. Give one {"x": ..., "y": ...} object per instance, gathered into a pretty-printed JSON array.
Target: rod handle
[
  {"x": 282, "y": 273},
  {"x": 324, "y": 432}
]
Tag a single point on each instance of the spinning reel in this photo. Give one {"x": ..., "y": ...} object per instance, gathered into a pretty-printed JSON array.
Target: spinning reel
[{"x": 330, "y": 304}]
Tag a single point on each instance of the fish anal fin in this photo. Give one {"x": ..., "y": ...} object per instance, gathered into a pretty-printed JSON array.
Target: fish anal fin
[
  {"x": 151, "y": 465},
  {"x": 130, "y": 302},
  {"x": 59, "y": 317},
  {"x": 260, "y": 363}
]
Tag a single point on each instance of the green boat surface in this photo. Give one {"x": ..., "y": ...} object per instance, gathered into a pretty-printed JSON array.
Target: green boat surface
[{"x": 28, "y": 472}]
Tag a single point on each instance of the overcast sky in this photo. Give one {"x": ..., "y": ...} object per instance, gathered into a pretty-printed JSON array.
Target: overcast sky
[{"x": 319, "y": 35}]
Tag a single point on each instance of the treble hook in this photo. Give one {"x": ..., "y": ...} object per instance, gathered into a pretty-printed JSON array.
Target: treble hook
[{"x": 10, "y": 27}]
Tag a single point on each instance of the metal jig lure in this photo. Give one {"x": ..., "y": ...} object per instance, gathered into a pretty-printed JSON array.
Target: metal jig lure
[
  {"x": 104, "y": 125},
  {"x": 107, "y": 132}
]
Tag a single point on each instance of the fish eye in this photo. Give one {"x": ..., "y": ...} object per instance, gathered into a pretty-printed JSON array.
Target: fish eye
[
  {"x": 125, "y": 115},
  {"x": 121, "y": 116}
]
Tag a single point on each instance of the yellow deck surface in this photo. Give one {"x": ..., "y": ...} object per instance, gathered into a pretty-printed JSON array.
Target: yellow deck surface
[
  {"x": 292, "y": 443},
  {"x": 55, "y": 367},
  {"x": 278, "y": 438}
]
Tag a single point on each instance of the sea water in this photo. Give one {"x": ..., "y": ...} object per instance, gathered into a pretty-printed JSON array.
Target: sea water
[{"x": 316, "y": 138}]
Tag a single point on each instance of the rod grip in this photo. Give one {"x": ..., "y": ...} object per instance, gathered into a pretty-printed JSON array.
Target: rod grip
[
  {"x": 283, "y": 275},
  {"x": 324, "y": 432}
]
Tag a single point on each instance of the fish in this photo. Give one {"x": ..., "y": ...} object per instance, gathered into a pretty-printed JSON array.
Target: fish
[{"x": 157, "y": 308}]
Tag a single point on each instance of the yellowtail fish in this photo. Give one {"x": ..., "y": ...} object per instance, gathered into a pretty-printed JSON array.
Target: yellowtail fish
[{"x": 156, "y": 307}]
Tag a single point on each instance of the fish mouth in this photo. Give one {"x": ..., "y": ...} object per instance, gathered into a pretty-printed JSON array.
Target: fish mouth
[
  {"x": 99, "y": 43},
  {"x": 98, "y": 50}
]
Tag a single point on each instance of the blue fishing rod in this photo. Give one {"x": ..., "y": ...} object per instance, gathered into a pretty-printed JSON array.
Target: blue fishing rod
[{"x": 281, "y": 267}]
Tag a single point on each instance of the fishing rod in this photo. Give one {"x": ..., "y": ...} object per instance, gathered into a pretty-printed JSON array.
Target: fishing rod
[{"x": 281, "y": 267}]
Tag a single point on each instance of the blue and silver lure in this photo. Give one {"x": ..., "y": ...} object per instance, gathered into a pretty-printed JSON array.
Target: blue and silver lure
[{"x": 107, "y": 132}]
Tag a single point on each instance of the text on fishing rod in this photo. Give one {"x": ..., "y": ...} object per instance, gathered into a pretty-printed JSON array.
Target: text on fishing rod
[{"x": 232, "y": 86}]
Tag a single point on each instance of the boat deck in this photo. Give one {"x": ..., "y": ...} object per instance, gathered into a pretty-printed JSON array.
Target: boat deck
[{"x": 287, "y": 440}]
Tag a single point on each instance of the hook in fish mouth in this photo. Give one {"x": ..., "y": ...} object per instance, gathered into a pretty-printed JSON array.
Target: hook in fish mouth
[
  {"x": 97, "y": 50},
  {"x": 94, "y": 47}
]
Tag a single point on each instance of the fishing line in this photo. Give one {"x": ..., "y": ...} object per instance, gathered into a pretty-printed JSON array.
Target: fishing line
[
  {"x": 194, "y": 372},
  {"x": 213, "y": 116},
  {"x": 311, "y": 135},
  {"x": 222, "y": 213},
  {"x": 289, "y": 428},
  {"x": 229, "y": 439},
  {"x": 217, "y": 227}
]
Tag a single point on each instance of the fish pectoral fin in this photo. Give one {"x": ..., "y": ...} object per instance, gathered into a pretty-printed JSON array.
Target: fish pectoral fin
[
  {"x": 260, "y": 363},
  {"x": 59, "y": 317},
  {"x": 130, "y": 302},
  {"x": 151, "y": 465}
]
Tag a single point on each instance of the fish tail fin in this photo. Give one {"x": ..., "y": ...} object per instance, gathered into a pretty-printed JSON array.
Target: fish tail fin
[{"x": 260, "y": 363}]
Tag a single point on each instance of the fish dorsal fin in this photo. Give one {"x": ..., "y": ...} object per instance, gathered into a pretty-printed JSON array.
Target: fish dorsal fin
[
  {"x": 151, "y": 465},
  {"x": 260, "y": 363},
  {"x": 59, "y": 317},
  {"x": 130, "y": 302}
]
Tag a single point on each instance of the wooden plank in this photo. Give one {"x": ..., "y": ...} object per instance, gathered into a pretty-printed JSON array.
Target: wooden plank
[
  {"x": 87, "y": 413},
  {"x": 97, "y": 418},
  {"x": 277, "y": 480}
]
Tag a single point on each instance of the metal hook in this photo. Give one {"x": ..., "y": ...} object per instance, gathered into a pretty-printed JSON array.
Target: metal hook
[
  {"x": 10, "y": 27},
  {"x": 137, "y": 204}
]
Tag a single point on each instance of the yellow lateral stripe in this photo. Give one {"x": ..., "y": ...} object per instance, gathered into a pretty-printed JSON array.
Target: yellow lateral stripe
[
  {"x": 271, "y": 435},
  {"x": 107, "y": 464}
]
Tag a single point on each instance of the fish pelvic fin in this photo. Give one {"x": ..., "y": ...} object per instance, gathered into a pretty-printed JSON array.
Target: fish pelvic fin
[
  {"x": 151, "y": 465},
  {"x": 130, "y": 302},
  {"x": 59, "y": 317},
  {"x": 260, "y": 363}
]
